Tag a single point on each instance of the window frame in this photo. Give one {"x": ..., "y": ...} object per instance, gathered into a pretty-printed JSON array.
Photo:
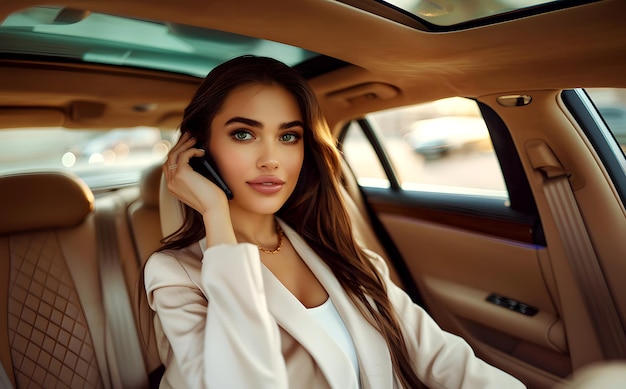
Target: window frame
[
  {"x": 586, "y": 114},
  {"x": 516, "y": 219}
]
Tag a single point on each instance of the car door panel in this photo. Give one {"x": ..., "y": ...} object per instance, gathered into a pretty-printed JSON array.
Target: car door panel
[{"x": 457, "y": 270}]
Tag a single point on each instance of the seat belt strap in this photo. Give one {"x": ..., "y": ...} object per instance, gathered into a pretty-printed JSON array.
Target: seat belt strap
[
  {"x": 580, "y": 252},
  {"x": 118, "y": 311}
]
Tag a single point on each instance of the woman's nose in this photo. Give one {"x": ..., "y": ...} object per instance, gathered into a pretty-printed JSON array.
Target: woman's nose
[
  {"x": 267, "y": 163},
  {"x": 269, "y": 152},
  {"x": 267, "y": 158}
]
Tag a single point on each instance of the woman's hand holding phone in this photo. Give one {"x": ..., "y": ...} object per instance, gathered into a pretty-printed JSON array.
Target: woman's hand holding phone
[
  {"x": 205, "y": 166},
  {"x": 186, "y": 184},
  {"x": 198, "y": 192}
]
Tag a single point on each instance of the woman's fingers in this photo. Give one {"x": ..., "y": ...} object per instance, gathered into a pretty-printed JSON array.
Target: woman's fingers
[
  {"x": 185, "y": 184},
  {"x": 184, "y": 142},
  {"x": 173, "y": 161}
]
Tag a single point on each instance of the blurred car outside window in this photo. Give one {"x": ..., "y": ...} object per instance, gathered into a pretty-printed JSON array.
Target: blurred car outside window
[
  {"x": 441, "y": 146},
  {"x": 104, "y": 159},
  {"x": 611, "y": 105}
]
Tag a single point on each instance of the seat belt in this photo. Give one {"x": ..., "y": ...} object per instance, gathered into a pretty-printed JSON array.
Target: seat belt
[
  {"x": 579, "y": 250},
  {"x": 119, "y": 314}
]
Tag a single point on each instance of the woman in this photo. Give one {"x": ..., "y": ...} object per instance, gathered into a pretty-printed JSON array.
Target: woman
[{"x": 270, "y": 289}]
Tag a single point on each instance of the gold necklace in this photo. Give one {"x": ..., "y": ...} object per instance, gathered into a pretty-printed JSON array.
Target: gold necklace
[{"x": 279, "y": 232}]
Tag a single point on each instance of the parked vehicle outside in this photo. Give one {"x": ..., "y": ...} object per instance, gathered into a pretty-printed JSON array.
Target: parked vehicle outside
[{"x": 434, "y": 138}]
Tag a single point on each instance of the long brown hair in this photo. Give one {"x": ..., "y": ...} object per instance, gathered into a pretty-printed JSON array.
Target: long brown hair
[{"x": 316, "y": 209}]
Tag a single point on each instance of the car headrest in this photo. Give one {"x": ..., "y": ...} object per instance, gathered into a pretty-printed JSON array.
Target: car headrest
[
  {"x": 170, "y": 209},
  {"x": 149, "y": 186},
  {"x": 36, "y": 201}
]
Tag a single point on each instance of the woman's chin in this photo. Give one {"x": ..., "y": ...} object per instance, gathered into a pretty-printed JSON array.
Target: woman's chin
[{"x": 263, "y": 206}]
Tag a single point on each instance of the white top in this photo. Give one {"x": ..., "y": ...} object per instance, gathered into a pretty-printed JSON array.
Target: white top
[{"x": 328, "y": 317}]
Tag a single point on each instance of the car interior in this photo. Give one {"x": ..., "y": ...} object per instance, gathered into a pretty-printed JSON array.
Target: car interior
[{"x": 529, "y": 270}]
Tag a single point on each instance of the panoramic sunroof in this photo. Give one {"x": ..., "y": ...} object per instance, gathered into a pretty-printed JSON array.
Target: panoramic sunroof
[
  {"x": 101, "y": 38},
  {"x": 449, "y": 15},
  {"x": 450, "y": 12}
]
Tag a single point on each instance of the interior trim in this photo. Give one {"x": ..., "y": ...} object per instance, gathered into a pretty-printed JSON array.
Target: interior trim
[{"x": 482, "y": 215}]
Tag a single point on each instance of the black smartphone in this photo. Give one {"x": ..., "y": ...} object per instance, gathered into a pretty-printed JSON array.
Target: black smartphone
[{"x": 204, "y": 165}]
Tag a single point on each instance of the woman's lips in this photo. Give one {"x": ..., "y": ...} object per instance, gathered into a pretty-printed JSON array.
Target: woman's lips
[{"x": 267, "y": 184}]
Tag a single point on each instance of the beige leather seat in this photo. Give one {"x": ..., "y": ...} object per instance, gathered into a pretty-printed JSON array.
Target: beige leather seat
[
  {"x": 145, "y": 227},
  {"x": 144, "y": 214},
  {"x": 607, "y": 375},
  {"x": 53, "y": 325}
]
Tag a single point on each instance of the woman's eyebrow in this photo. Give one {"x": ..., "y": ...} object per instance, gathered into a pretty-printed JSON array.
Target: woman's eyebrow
[
  {"x": 295, "y": 123},
  {"x": 257, "y": 124},
  {"x": 246, "y": 121}
]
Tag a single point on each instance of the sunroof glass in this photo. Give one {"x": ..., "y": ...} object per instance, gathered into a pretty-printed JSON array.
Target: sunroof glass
[
  {"x": 452, "y": 12},
  {"x": 102, "y": 38}
]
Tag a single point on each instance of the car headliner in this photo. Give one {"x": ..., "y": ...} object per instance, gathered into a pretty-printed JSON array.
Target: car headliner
[{"x": 394, "y": 65}]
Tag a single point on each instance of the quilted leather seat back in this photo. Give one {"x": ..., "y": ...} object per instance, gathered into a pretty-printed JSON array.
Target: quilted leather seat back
[
  {"x": 51, "y": 320},
  {"x": 49, "y": 336}
]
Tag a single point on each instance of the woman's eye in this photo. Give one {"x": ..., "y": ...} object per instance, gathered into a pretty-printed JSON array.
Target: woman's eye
[
  {"x": 242, "y": 135},
  {"x": 289, "y": 138}
]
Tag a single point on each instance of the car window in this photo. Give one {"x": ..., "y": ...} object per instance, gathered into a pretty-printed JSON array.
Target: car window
[
  {"x": 103, "y": 159},
  {"x": 442, "y": 146},
  {"x": 611, "y": 105},
  {"x": 362, "y": 158}
]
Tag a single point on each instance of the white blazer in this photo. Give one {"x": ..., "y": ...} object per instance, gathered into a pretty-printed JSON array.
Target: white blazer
[{"x": 223, "y": 320}]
